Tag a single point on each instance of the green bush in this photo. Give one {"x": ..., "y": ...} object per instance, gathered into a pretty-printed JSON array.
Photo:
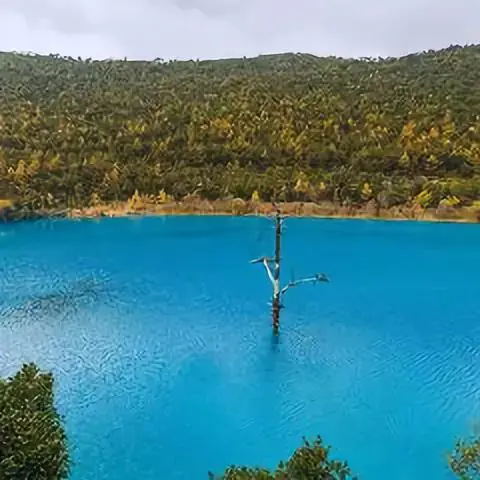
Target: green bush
[
  {"x": 465, "y": 459},
  {"x": 309, "y": 462},
  {"x": 32, "y": 439}
]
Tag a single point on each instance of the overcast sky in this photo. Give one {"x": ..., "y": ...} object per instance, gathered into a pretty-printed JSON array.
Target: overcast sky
[{"x": 183, "y": 29}]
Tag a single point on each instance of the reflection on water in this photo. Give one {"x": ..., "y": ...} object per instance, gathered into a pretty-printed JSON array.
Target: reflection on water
[{"x": 161, "y": 344}]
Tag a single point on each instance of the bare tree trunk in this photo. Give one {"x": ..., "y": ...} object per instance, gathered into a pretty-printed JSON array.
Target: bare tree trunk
[{"x": 276, "y": 277}]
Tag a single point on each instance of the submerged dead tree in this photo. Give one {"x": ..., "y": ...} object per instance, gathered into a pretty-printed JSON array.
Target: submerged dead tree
[{"x": 272, "y": 266}]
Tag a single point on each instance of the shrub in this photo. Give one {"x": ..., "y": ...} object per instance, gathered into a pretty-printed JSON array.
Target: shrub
[
  {"x": 465, "y": 459},
  {"x": 309, "y": 462},
  {"x": 32, "y": 438}
]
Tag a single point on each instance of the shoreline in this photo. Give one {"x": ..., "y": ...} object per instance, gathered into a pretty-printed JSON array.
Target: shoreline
[{"x": 238, "y": 207}]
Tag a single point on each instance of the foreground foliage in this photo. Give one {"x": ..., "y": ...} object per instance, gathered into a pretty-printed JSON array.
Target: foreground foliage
[
  {"x": 75, "y": 133},
  {"x": 33, "y": 443},
  {"x": 309, "y": 462},
  {"x": 465, "y": 459},
  {"x": 32, "y": 438}
]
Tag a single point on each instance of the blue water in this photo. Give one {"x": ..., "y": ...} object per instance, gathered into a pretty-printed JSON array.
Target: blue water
[{"x": 158, "y": 332}]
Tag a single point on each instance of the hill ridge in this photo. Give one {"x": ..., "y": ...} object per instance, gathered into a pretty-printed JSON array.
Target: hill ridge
[{"x": 402, "y": 131}]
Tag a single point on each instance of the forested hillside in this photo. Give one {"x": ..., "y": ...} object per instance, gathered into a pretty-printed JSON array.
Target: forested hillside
[{"x": 292, "y": 127}]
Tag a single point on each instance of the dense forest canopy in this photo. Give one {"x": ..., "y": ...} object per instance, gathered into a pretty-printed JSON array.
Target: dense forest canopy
[{"x": 292, "y": 127}]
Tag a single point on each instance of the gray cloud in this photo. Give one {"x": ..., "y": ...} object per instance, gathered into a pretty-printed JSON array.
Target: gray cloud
[{"x": 182, "y": 29}]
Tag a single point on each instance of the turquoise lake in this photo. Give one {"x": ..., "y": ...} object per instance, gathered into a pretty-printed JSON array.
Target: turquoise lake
[{"x": 158, "y": 333}]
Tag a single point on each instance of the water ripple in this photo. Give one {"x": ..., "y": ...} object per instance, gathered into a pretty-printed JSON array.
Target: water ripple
[{"x": 159, "y": 336}]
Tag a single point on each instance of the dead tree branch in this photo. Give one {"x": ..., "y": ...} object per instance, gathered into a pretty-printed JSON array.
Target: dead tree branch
[
  {"x": 272, "y": 267},
  {"x": 319, "y": 277}
]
